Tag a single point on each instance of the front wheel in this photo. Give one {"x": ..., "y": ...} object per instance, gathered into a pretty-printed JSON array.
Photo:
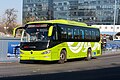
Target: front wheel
[{"x": 62, "y": 57}]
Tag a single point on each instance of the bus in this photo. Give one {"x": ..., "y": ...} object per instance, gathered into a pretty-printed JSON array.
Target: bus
[{"x": 58, "y": 40}]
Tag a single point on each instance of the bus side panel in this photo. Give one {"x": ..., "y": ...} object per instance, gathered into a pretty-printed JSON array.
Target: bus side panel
[
  {"x": 73, "y": 49},
  {"x": 79, "y": 49},
  {"x": 96, "y": 49},
  {"x": 56, "y": 50}
]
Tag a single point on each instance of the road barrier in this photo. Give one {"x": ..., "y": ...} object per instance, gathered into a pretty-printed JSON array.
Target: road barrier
[{"x": 111, "y": 47}]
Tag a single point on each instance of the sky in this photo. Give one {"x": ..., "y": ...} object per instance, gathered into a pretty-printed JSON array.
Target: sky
[{"x": 9, "y": 4}]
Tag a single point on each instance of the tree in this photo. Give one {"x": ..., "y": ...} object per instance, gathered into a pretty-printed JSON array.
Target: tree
[
  {"x": 9, "y": 20},
  {"x": 29, "y": 19}
]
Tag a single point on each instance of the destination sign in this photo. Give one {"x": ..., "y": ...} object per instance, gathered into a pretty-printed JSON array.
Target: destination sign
[{"x": 36, "y": 25}]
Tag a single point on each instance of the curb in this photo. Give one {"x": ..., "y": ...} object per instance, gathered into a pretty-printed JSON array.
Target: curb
[
  {"x": 109, "y": 54},
  {"x": 5, "y": 62}
]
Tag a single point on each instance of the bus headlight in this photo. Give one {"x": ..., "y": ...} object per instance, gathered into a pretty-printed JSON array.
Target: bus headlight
[{"x": 46, "y": 52}]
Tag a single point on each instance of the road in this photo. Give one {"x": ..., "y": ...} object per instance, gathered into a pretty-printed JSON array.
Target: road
[{"x": 107, "y": 67}]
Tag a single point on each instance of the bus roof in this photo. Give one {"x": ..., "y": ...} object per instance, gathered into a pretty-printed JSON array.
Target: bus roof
[{"x": 62, "y": 21}]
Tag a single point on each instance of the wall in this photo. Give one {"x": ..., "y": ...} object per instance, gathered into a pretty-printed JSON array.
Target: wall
[{"x": 4, "y": 46}]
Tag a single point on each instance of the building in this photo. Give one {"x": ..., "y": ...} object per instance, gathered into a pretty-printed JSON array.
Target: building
[
  {"x": 89, "y": 11},
  {"x": 112, "y": 31},
  {"x": 100, "y": 12},
  {"x": 108, "y": 29},
  {"x": 37, "y": 9}
]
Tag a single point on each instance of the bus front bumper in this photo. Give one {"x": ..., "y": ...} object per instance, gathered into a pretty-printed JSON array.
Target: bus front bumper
[{"x": 35, "y": 55}]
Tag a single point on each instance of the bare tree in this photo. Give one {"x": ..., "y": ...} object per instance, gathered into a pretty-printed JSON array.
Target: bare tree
[
  {"x": 9, "y": 20},
  {"x": 29, "y": 19}
]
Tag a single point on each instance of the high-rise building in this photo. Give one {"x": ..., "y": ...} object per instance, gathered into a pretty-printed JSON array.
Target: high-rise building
[
  {"x": 37, "y": 9},
  {"x": 89, "y": 11}
]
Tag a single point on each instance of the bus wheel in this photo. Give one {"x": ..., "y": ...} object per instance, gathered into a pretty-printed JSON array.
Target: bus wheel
[
  {"x": 23, "y": 61},
  {"x": 89, "y": 55},
  {"x": 62, "y": 57}
]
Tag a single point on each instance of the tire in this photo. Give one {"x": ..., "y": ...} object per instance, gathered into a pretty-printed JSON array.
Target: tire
[
  {"x": 89, "y": 55},
  {"x": 62, "y": 57},
  {"x": 23, "y": 61}
]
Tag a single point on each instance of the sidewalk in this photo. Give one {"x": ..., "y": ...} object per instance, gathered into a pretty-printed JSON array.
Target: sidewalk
[
  {"x": 111, "y": 52},
  {"x": 9, "y": 60}
]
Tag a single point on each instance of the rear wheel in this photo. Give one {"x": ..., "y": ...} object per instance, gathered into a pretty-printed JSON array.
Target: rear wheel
[
  {"x": 89, "y": 55},
  {"x": 62, "y": 57}
]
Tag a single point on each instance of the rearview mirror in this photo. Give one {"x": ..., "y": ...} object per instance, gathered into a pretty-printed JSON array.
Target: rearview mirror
[
  {"x": 50, "y": 31},
  {"x": 15, "y": 30}
]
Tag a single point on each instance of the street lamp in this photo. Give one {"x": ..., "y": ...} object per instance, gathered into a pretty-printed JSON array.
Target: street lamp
[{"x": 114, "y": 20}]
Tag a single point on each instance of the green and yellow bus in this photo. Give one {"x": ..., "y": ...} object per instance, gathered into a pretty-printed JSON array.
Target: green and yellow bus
[{"x": 58, "y": 40}]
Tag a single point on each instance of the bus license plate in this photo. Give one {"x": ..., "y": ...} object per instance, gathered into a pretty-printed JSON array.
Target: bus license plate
[{"x": 32, "y": 58}]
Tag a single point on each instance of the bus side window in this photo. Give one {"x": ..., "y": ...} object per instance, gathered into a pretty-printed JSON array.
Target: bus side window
[
  {"x": 59, "y": 32},
  {"x": 89, "y": 32},
  {"x": 86, "y": 35},
  {"x": 97, "y": 35},
  {"x": 76, "y": 34},
  {"x": 54, "y": 34},
  {"x": 81, "y": 34},
  {"x": 63, "y": 33},
  {"x": 70, "y": 33},
  {"x": 93, "y": 35}
]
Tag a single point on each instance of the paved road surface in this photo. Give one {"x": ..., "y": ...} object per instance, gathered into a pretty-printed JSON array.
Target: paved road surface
[{"x": 105, "y": 68}]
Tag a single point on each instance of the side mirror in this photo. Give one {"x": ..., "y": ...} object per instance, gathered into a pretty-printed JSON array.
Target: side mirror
[
  {"x": 15, "y": 30},
  {"x": 50, "y": 31}
]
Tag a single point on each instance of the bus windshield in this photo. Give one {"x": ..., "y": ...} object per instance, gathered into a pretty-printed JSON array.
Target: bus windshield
[{"x": 35, "y": 34}]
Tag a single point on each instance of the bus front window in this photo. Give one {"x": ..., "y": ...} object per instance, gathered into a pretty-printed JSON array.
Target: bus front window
[{"x": 35, "y": 35}]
